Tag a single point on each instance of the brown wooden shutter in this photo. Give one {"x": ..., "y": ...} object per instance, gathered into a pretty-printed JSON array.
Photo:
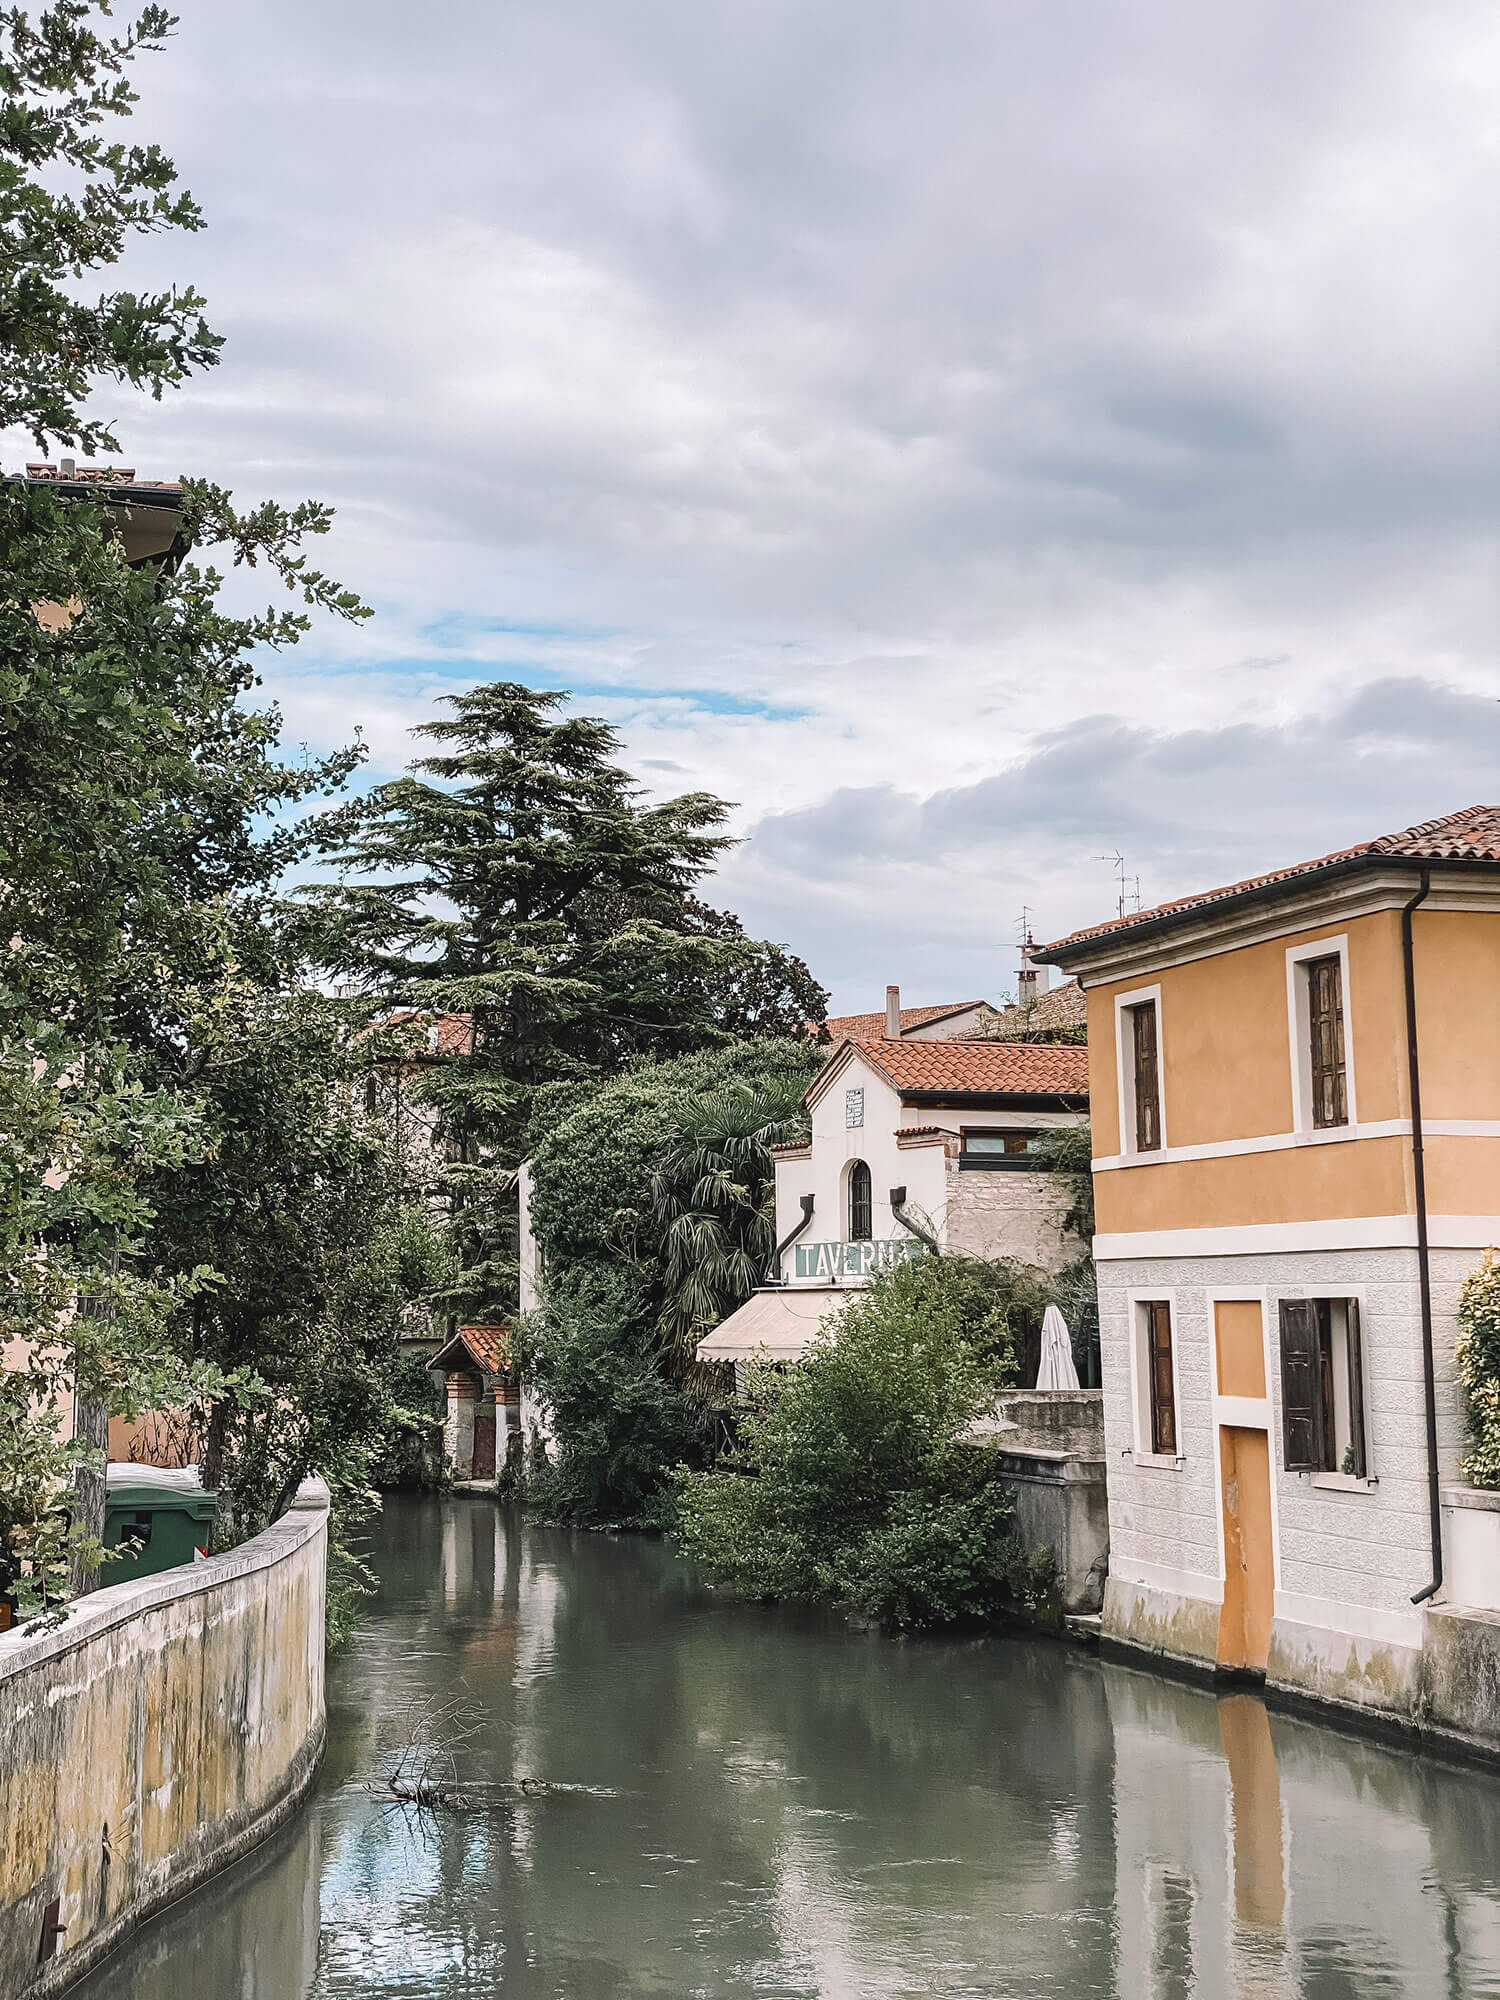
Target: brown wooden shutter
[
  {"x": 1325, "y": 1009},
  {"x": 1299, "y": 1385},
  {"x": 1327, "y": 1430},
  {"x": 1147, "y": 1099},
  {"x": 1356, "y": 1392},
  {"x": 1159, "y": 1360}
]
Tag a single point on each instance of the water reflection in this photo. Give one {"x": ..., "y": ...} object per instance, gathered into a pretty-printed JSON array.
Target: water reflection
[{"x": 778, "y": 1806}]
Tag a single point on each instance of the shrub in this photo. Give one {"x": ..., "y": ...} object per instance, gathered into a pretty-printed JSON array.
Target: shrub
[
  {"x": 852, "y": 1482},
  {"x": 1478, "y": 1359}
]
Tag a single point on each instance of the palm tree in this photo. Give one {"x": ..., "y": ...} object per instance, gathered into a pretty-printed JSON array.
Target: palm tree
[{"x": 714, "y": 1199}]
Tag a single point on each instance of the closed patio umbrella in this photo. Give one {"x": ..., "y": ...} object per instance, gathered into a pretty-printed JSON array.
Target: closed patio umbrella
[{"x": 1057, "y": 1370}]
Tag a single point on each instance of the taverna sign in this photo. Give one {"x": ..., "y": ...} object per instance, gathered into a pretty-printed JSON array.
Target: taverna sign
[{"x": 854, "y": 1260}]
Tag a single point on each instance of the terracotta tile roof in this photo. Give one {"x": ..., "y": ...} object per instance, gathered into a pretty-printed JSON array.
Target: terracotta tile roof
[
  {"x": 981, "y": 1068},
  {"x": 447, "y": 1034},
  {"x": 789, "y": 1147},
  {"x": 486, "y": 1346},
  {"x": 1472, "y": 834},
  {"x": 858, "y": 1027},
  {"x": 99, "y": 475}
]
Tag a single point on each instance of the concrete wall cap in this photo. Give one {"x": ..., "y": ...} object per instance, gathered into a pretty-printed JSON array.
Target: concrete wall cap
[
  {"x": 1482, "y": 1499},
  {"x": 86, "y": 1617}
]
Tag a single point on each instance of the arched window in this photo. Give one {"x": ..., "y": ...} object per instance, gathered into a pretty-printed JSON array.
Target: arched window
[{"x": 860, "y": 1220}]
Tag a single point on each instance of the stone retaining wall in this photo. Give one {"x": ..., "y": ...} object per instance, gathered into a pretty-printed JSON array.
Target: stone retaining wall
[{"x": 160, "y": 1732}]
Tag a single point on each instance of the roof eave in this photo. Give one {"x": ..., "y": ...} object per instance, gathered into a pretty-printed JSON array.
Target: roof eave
[
  {"x": 996, "y": 1100},
  {"x": 1075, "y": 958}
]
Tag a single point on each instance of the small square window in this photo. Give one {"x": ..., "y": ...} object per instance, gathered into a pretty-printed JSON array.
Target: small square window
[{"x": 1014, "y": 1144}]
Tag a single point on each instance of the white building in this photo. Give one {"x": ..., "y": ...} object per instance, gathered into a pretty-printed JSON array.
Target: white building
[{"x": 915, "y": 1145}]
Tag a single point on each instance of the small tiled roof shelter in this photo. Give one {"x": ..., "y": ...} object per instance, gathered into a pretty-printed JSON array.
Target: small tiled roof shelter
[{"x": 483, "y": 1405}]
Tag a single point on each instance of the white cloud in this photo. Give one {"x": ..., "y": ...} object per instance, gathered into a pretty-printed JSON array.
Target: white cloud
[{"x": 858, "y": 400}]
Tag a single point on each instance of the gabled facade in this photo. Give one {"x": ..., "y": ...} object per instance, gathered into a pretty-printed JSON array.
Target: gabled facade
[
  {"x": 1295, "y": 1084},
  {"x": 914, "y": 1146}
]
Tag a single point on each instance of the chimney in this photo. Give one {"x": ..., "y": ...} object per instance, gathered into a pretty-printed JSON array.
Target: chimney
[
  {"x": 1032, "y": 978},
  {"x": 893, "y": 1013}
]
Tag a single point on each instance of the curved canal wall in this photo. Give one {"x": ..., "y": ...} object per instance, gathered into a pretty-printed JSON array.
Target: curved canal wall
[{"x": 160, "y": 1732}]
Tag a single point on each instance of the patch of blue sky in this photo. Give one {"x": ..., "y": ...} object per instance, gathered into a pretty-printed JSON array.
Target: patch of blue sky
[
  {"x": 457, "y": 631},
  {"x": 421, "y": 675}
]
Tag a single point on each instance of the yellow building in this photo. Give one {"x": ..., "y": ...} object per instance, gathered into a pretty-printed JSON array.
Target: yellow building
[{"x": 1295, "y": 1092}]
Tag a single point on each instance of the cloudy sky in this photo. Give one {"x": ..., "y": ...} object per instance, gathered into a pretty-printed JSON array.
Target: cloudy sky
[{"x": 975, "y": 436}]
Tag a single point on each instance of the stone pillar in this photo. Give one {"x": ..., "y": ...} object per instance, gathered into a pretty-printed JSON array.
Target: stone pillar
[
  {"x": 502, "y": 1430},
  {"x": 458, "y": 1435}
]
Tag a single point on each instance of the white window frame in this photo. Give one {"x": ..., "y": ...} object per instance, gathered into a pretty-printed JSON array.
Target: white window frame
[
  {"x": 1125, "y": 1072},
  {"x": 1140, "y": 1378},
  {"x": 1325, "y": 1482},
  {"x": 1299, "y": 1036}
]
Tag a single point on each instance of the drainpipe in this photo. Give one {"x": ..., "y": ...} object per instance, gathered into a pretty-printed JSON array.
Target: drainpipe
[
  {"x": 1424, "y": 1267},
  {"x": 898, "y": 1209},
  {"x": 787, "y": 1241}
]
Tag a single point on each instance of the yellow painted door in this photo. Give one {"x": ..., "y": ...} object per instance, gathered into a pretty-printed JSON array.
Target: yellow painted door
[{"x": 1249, "y": 1577}]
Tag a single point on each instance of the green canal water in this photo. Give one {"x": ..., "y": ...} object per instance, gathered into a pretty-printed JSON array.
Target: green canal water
[{"x": 746, "y": 1801}]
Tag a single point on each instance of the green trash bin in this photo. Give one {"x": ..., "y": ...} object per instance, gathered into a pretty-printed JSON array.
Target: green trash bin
[{"x": 155, "y": 1517}]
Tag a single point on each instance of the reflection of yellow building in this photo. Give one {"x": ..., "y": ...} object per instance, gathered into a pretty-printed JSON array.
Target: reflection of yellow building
[{"x": 1295, "y": 1090}]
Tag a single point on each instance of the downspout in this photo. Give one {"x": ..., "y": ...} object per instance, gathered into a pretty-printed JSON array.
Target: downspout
[
  {"x": 1424, "y": 1265},
  {"x": 898, "y": 1209},
  {"x": 787, "y": 1241}
]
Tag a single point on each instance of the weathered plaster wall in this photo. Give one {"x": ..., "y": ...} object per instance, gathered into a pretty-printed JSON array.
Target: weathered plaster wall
[{"x": 166, "y": 1727}]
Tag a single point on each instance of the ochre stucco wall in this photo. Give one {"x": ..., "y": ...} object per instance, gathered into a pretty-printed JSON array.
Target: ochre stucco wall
[
  {"x": 1226, "y": 1076},
  {"x": 167, "y": 1726},
  {"x": 1360, "y": 1177}
]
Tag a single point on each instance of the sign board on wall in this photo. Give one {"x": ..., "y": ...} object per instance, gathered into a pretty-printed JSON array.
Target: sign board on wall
[
  {"x": 854, "y": 1108},
  {"x": 854, "y": 1260}
]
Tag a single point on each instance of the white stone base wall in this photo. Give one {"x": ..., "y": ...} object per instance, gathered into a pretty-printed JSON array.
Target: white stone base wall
[{"x": 1347, "y": 1560}]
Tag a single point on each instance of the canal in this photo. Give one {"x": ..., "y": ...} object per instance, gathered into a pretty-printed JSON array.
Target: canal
[{"x": 731, "y": 1800}]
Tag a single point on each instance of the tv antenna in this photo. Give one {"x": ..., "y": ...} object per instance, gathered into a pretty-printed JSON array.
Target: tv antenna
[{"x": 1128, "y": 898}]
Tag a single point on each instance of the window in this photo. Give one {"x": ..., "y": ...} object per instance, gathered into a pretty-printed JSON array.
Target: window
[
  {"x": 1325, "y": 1023},
  {"x": 1323, "y": 1386},
  {"x": 860, "y": 1218},
  {"x": 1320, "y": 1034},
  {"x": 1145, "y": 1075},
  {"x": 1160, "y": 1387},
  {"x": 1013, "y": 1145}
]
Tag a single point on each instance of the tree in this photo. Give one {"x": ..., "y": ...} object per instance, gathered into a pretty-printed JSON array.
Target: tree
[
  {"x": 616, "y": 1168},
  {"x": 713, "y": 1196},
  {"x": 296, "y": 1203},
  {"x": 69, "y": 202},
  {"x": 77, "y": 1317},
  {"x": 538, "y": 895},
  {"x": 143, "y": 811}
]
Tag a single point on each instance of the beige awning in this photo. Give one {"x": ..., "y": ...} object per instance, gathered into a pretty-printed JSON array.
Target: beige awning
[{"x": 780, "y": 1324}]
